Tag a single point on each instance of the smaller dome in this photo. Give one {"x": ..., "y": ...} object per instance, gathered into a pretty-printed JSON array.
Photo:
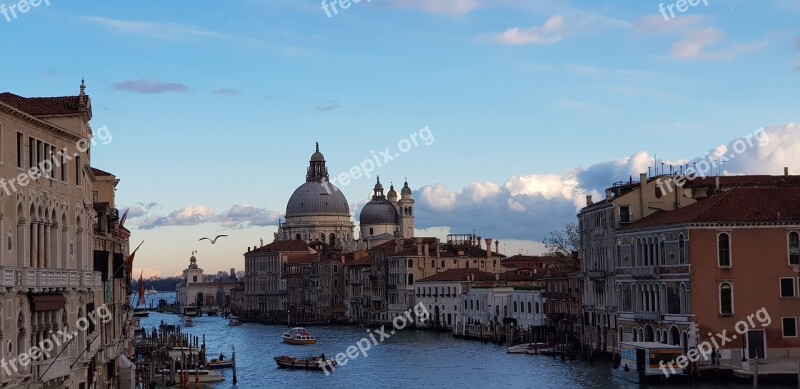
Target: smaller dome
[
  {"x": 317, "y": 156},
  {"x": 392, "y": 193},
  {"x": 378, "y": 211},
  {"x": 406, "y": 190}
]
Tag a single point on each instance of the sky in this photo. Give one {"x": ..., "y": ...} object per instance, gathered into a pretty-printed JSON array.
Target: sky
[{"x": 502, "y": 115}]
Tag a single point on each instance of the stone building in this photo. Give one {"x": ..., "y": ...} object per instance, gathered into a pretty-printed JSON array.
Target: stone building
[
  {"x": 199, "y": 293},
  {"x": 62, "y": 249},
  {"x": 317, "y": 210},
  {"x": 731, "y": 258}
]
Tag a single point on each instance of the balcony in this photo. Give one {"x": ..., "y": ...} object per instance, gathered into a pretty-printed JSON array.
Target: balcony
[
  {"x": 30, "y": 278},
  {"x": 645, "y": 272},
  {"x": 597, "y": 275},
  {"x": 647, "y": 316},
  {"x": 51, "y": 369}
]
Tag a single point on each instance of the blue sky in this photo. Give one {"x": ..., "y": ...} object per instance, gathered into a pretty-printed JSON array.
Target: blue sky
[{"x": 215, "y": 106}]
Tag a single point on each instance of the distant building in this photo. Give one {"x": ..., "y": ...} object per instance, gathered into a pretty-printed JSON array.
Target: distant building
[
  {"x": 195, "y": 291},
  {"x": 317, "y": 210}
]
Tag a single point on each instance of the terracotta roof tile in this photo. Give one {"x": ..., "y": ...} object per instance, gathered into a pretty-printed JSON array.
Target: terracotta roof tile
[
  {"x": 746, "y": 205},
  {"x": 46, "y": 106},
  {"x": 459, "y": 275},
  {"x": 282, "y": 246}
]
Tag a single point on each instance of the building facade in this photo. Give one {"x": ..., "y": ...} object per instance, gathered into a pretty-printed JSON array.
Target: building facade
[
  {"x": 62, "y": 249},
  {"x": 730, "y": 262}
]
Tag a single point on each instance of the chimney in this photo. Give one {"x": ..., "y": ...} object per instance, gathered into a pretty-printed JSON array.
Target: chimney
[
  {"x": 497, "y": 247},
  {"x": 438, "y": 252},
  {"x": 608, "y": 193},
  {"x": 786, "y": 171},
  {"x": 488, "y": 248},
  {"x": 480, "y": 242},
  {"x": 588, "y": 200},
  {"x": 716, "y": 182}
]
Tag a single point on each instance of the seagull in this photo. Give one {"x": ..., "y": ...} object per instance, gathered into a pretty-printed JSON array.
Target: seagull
[{"x": 213, "y": 241}]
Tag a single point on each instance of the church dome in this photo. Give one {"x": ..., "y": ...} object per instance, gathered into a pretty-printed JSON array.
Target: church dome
[
  {"x": 314, "y": 199},
  {"x": 379, "y": 211},
  {"x": 317, "y": 197}
]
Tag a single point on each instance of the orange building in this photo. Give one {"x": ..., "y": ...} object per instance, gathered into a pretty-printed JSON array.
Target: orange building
[{"x": 724, "y": 272}]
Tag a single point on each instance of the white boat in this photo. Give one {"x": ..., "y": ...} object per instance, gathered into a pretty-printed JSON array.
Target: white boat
[
  {"x": 298, "y": 336},
  {"x": 648, "y": 362},
  {"x": 528, "y": 348},
  {"x": 205, "y": 376},
  {"x": 151, "y": 292}
]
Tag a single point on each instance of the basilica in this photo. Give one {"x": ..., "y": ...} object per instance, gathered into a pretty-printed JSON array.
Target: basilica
[{"x": 319, "y": 212}]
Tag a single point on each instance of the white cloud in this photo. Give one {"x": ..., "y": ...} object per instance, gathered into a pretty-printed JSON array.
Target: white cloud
[
  {"x": 552, "y": 31},
  {"x": 441, "y": 7},
  {"x": 155, "y": 30},
  {"x": 657, "y": 24},
  {"x": 695, "y": 45},
  {"x": 529, "y": 207},
  {"x": 188, "y": 216}
]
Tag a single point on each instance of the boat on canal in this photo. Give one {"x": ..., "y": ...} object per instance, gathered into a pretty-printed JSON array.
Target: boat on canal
[
  {"x": 314, "y": 364},
  {"x": 202, "y": 376},
  {"x": 298, "y": 336},
  {"x": 642, "y": 363},
  {"x": 528, "y": 348}
]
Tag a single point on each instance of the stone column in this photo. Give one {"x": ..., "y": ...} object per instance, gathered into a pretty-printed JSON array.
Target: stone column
[
  {"x": 47, "y": 252},
  {"x": 42, "y": 247},
  {"x": 34, "y": 243}
]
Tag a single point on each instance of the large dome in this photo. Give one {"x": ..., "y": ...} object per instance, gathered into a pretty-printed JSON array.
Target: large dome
[
  {"x": 379, "y": 211},
  {"x": 314, "y": 199}
]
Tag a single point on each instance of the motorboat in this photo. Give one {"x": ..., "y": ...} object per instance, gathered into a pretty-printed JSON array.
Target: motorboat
[
  {"x": 202, "y": 376},
  {"x": 151, "y": 291},
  {"x": 298, "y": 336},
  {"x": 528, "y": 348},
  {"x": 316, "y": 363},
  {"x": 216, "y": 365},
  {"x": 649, "y": 362},
  {"x": 234, "y": 323}
]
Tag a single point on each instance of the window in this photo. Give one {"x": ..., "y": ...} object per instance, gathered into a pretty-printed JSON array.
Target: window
[
  {"x": 20, "y": 149},
  {"x": 371, "y": 231},
  {"x": 433, "y": 264},
  {"x": 529, "y": 307},
  {"x": 31, "y": 151},
  {"x": 682, "y": 249},
  {"x": 78, "y": 171},
  {"x": 515, "y": 307},
  {"x": 410, "y": 263},
  {"x": 787, "y": 288},
  {"x": 789, "y": 327},
  {"x": 624, "y": 214},
  {"x": 794, "y": 248},
  {"x": 724, "y": 250},
  {"x": 64, "y": 165},
  {"x": 725, "y": 299}
]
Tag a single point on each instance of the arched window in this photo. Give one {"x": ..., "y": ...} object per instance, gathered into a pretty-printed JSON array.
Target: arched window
[
  {"x": 726, "y": 299},
  {"x": 794, "y": 248},
  {"x": 724, "y": 250},
  {"x": 515, "y": 307},
  {"x": 529, "y": 307},
  {"x": 410, "y": 263},
  {"x": 682, "y": 249},
  {"x": 410, "y": 279},
  {"x": 663, "y": 251},
  {"x": 443, "y": 264}
]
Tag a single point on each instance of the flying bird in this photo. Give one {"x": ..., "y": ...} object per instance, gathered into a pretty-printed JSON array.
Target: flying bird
[{"x": 213, "y": 241}]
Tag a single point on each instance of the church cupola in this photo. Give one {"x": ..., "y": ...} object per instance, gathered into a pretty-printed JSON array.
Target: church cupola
[{"x": 317, "y": 171}]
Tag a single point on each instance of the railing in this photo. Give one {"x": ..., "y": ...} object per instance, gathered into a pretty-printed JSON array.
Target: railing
[
  {"x": 397, "y": 307},
  {"x": 51, "y": 369},
  {"x": 645, "y": 272},
  {"x": 48, "y": 278},
  {"x": 647, "y": 316},
  {"x": 597, "y": 275}
]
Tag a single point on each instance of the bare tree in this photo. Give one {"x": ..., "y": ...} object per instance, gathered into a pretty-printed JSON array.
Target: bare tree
[{"x": 564, "y": 242}]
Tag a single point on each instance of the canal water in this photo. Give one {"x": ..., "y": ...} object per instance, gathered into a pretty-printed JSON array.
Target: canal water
[{"x": 414, "y": 359}]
